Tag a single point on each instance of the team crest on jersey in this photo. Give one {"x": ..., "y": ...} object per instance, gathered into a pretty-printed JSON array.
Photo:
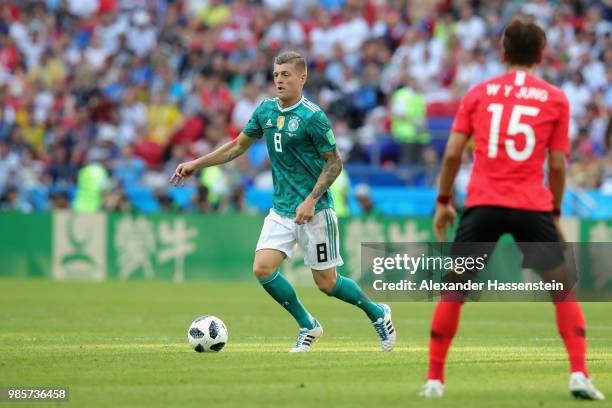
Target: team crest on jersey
[
  {"x": 293, "y": 124},
  {"x": 280, "y": 122}
]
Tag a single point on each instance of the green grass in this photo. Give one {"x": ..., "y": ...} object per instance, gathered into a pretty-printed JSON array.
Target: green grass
[{"x": 124, "y": 344}]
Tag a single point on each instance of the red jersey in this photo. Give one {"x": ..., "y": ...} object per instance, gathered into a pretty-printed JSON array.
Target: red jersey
[{"x": 515, "y": 119}]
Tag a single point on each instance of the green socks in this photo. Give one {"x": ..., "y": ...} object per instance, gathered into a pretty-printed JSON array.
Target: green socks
[
  {"x": 283, "y": 292},
  {"x": 347, "y": 290}
]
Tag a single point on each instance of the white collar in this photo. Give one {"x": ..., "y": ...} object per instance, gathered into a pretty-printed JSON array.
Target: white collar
[{"x": 290, "y": 107}]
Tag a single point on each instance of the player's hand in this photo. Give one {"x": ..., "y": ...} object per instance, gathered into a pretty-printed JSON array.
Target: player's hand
[
  {"x": 443, "y": 219},
  {"x": 305, "y": 211},
  {"x": 182, "y": 173}
]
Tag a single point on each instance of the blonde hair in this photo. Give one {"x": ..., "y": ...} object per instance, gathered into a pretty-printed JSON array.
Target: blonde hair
[{"x": 292, "y": 57}]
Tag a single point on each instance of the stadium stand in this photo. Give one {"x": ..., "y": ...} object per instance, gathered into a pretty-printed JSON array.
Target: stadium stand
[{"x": 139, "y": 86}]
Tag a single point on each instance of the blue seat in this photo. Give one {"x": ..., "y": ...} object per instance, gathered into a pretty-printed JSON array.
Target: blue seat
[
  {"x": 439, "y": 129},
  {"x": 602, "y": 209},
  {"x": 439, "y": 123},
  {"x": 38, "y": 197},
  {"x": 404, "y": 201},
  {"x": 258, "y": 153},
  {"x": 260, "y": 199},
  {"x": 181, "y": 196},
  {"x": 132, "y": 173},
  {"x": 420, "y": 201},
  {"x": 378, "y": 176},
  {"x": 142, "y": 199},
  {"x": 390, "y": 201}
]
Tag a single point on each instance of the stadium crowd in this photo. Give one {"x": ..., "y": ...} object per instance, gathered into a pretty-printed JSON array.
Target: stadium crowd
[{"x": 101, "y": 99}]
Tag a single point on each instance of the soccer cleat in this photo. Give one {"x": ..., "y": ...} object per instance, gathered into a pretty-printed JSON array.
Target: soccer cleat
[
  {"x": 306, "y": 338},
  {"x": 384, "y": 328},
  {"x": 432, "y": 389},
  {"x": 581, "y": 387}
]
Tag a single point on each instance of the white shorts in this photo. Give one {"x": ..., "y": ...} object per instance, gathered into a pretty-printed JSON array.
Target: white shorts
[{"x": 318, "y": 238}]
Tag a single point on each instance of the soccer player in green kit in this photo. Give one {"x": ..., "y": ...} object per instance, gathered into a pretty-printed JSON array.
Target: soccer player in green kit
[{"x": 305, "y": 163}]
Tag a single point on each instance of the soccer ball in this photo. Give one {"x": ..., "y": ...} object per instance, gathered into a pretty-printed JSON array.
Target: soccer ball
[{"x": 207, "y": 333}]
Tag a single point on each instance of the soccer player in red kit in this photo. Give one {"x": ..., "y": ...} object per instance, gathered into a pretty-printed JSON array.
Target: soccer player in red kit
[{"x": 517, "y": 121}]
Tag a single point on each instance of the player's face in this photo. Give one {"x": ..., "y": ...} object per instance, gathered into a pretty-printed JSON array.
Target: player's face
[{"x": 289, "y": 81}]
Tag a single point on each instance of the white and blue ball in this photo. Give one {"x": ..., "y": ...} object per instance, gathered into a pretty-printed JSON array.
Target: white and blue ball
[{"x": 207, "y": 334}]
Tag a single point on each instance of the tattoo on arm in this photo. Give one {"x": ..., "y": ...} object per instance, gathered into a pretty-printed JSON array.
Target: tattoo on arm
[{"x": 331, "y": 171}]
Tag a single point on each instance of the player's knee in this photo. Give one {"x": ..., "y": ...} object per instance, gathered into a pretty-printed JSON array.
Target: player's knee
[
  {"x": 327, "y": 285},
  {"x": 262, "y": 272}
]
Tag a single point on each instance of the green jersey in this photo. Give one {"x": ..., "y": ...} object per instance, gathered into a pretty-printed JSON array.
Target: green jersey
[{"x": 295, "y": 136}]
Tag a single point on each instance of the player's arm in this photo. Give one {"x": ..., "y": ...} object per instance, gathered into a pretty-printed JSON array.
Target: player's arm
[
  {"x": 445, "y": 213},
  {"x": 331, "y": 170},
  {"x": 324, "y": 142},
  {"x": 451, "y": 162},
  {"x": 228, "y": 152},
  {"x": 460, "y": 132},
  {"x": 558, "y": 151},
  {"x": 556, "y": 176},
  {"x": 556, "y": 183}
]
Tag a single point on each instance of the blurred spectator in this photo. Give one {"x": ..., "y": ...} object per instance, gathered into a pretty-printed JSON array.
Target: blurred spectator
[
  {"x": 133, "y": 118},
  {"x": 323, "y": 37},
  {"x": 123, "y": 83},
  {"x": 594, "y": 72},
  {"x": 364, "y": 99},
  {"x": 6, "y": 124},
  {"x": 364, "y": 198},
  {"x": 215, "y": 14},
  {"x": 111, "y": 27},
  {"x": 92, "y": 182},
  {"x": 587, "y": 171},
  {"x": 82, "y": 8},
  {"x": 11, "y": 201},
  {"x": 285, "y": 32},
  {"x": 96, "y": 53},
  {"x": 165, "y": 201},
  {"x": 164, "y": 118},
  {"x": 246, "y": 105},
  {"x": 202, "y": 202},
  {"x": 470, "y": 29},
  {"x": 62, "y": 170},
  {"x": 9, "y": 164},
  {"x": 608, "y": 89},
  {"x": 217, "y": 187},
  {"x": 606, "y": 184},
  {"x": 60, "y": 201},
  {"x": 540, "y": 10},
  {"x": 578, "y": 95},
  {"x": 431, "y": 163},
  {"x": 104, "y": 150},
  {"x": 129, "y": 169},
  {"x": 339, "y": 191},
  {"x": 353, "y": 31},
  {"x": 236, "y": 203},
  {"x": 408, "y": 124},
  {"x": 141, "y": 35}
]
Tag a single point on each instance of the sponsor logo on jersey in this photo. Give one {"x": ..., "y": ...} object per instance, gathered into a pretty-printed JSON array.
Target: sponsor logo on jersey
[
  {"x": 293, "y": 124},
  {"x": 269, "y": 123},
  {"x": 280, "y": 122}
]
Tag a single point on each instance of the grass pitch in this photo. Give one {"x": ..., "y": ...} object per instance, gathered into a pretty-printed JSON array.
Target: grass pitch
[{"x": 123, "y": 344}]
